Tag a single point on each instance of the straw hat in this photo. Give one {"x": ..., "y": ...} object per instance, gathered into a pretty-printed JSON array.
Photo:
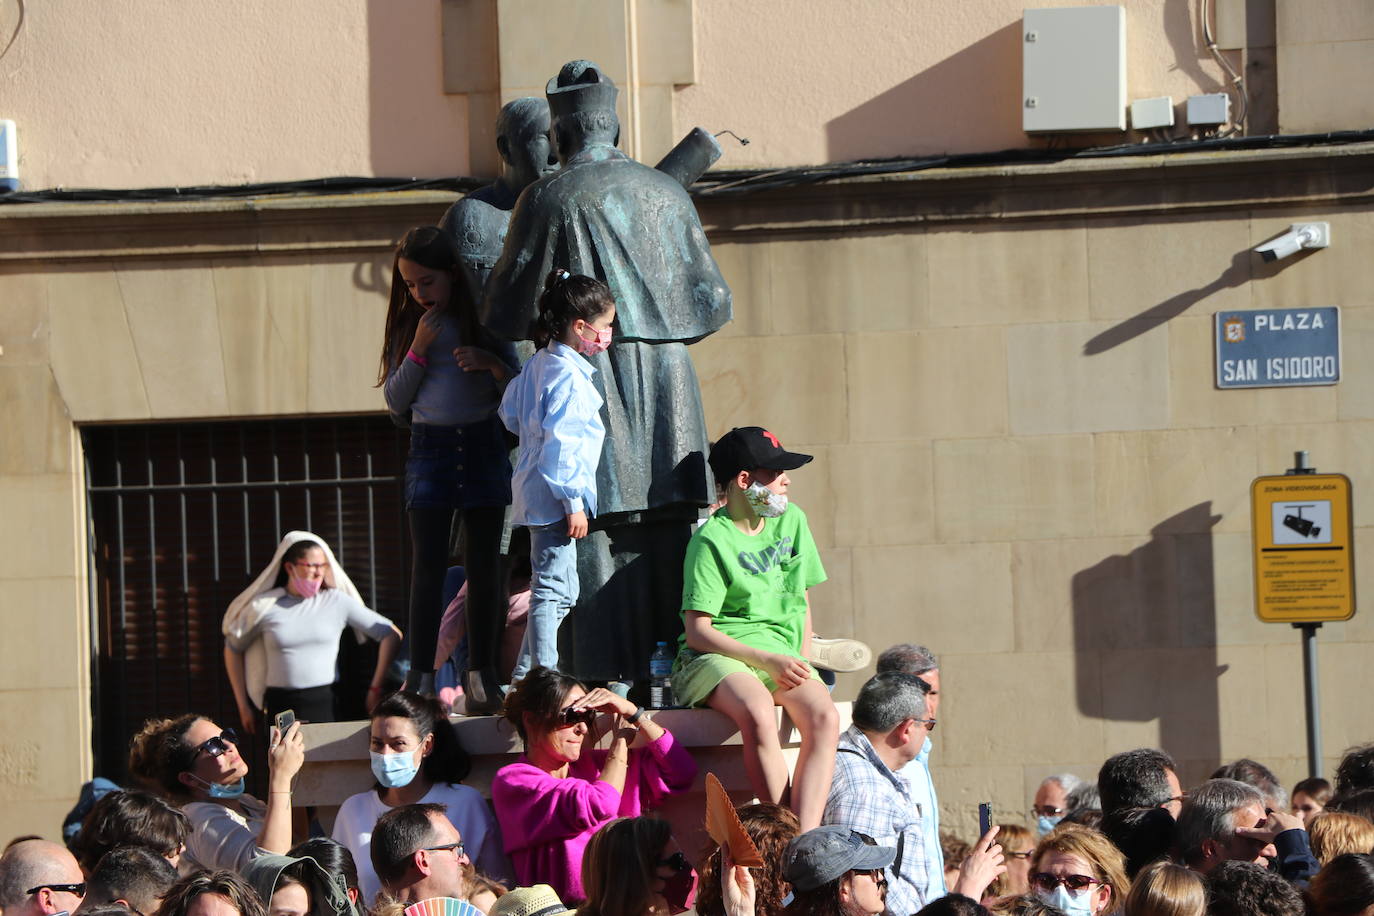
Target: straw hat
[{"x": 539, "y": 900}]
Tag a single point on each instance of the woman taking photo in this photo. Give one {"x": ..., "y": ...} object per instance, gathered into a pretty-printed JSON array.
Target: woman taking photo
[
  {"x": 281, "y": 634},
  {"x": 553, "y": 799},
  {"x": 197, "y": 764},
  {"x": 416, "y": 759}
]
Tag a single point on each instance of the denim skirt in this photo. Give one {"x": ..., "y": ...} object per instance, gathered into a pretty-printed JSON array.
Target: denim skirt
[{"x": 458, "y": 467}]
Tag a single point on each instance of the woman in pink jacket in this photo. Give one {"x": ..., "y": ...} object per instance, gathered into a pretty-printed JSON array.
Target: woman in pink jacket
[{"x": 551, "y": 800}]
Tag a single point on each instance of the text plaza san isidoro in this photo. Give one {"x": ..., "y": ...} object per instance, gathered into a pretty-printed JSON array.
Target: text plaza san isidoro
[{"x": 1278, "y": 348}]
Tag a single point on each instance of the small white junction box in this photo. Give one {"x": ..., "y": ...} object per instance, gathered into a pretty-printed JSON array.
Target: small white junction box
[
  {"x": 1073, "y": 75},
  {"x": 1209, "y": 110},
  {"x": 9, "y": 157},
  {"x": 1148, "y": 113}
]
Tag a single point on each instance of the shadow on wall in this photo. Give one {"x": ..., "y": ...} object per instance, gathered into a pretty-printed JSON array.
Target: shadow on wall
[
  {"x": 1237, "y": 273},
  {"x": 1148, "y": 622},
  {"x": 974, "y": 95}
]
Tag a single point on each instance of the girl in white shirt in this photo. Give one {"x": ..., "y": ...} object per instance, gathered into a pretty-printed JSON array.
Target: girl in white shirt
[{"x": 555, "y": 409}]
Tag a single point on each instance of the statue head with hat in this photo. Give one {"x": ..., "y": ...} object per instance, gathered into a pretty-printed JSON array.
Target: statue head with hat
[{"x": 582, "y": 106}]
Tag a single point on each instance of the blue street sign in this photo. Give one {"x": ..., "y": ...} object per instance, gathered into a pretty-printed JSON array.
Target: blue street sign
[{"x": 1274, "y": 348}]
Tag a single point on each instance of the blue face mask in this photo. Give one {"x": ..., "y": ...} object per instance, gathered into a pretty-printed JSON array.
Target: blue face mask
[
  {"x": 232, "y": 790},
  {"x": 1071, "y": 904},
  {"x": 1044, "y": 823},
  {"x": 394, "y": 770}
]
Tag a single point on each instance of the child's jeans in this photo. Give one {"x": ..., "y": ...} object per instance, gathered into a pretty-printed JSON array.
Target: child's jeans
[{"x": 553, "y": 592}]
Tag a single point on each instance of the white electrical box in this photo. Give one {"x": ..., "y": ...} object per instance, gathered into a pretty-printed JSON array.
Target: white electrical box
[
  {"x": 1148, "y": 113},
  {"x": 1073, "y": 75},
  {"x": 1209, "y": 110},
  {"x": 9, "y": 157}
]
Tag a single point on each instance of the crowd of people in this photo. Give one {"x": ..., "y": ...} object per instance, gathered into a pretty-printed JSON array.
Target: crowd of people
[{"x": 569, "y": 826}]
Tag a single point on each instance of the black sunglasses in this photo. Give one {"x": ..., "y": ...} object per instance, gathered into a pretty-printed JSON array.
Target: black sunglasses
[
  {"x": 570, "y": 715},
  {"x": 215, "y": 746},
  {"x": 677, "y": 862},
  {"x": 77, "y": 889}
]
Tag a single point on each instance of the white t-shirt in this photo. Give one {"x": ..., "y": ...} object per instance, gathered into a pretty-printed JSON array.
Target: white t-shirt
[{"x": 467, "y": 810}]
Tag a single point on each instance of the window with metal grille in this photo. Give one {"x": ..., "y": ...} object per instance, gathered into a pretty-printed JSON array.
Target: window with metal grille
[{"x": 184, "y": 517}]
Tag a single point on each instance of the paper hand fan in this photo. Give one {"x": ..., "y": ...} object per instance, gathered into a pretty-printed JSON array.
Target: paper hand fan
[
  {"x": 443, "y": 906},
  {"x": 723, "y": 824}
]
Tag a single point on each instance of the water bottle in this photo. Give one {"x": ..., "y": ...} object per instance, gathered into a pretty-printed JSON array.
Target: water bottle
[{"x": 660, "y": 678}]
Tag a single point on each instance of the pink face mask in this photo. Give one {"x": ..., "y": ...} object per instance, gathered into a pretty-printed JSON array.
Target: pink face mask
[
  {"x": 307, "y": 588},
  {"x": 598, "y": 344}
]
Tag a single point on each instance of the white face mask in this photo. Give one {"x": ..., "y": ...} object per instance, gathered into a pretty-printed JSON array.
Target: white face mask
[
  {"x": 1072, "y": 904},
  {"x": 764, "y": 501}
]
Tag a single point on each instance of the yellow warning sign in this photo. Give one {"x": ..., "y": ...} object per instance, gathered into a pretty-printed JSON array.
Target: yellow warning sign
[{"x": 1304, "y": 548}]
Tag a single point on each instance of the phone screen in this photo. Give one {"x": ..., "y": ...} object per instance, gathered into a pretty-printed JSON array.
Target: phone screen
[{"x": 984, "y": 818}]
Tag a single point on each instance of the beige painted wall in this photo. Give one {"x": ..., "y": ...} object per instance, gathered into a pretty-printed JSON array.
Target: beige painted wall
[
  {"x": 1020, "y": 456},
  {"x": 868, "y": 78},
  {"x": 1325, "y": 47},
  {"x": 163, "y": 92}
]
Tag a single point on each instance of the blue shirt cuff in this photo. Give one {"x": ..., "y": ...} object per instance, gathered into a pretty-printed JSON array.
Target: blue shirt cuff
[{"x": 572, "y": 505}]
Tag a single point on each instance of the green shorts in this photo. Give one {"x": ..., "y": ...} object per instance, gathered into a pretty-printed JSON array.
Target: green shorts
[{"x": 696, "y": 674}]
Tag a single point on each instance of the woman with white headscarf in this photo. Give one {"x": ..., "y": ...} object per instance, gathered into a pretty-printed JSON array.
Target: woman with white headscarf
[{"x": 281, "y": 634}]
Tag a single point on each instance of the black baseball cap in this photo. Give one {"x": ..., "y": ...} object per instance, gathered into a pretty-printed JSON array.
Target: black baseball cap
[
  {"x": 747, "y": 447},
  {"x": 820, "y": 856}
]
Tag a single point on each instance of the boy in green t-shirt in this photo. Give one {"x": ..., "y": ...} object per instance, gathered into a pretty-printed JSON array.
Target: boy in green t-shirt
[{"x": 747, "y": 621}]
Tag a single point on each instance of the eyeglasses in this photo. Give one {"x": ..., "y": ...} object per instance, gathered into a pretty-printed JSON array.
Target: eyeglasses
[
  {"x": 217, "y": 745},
  {"x": 930, "y": 723},
  {"x": 455, "y": 848},
  {"x": 570, "y": 715},
  {"x": 677, "y": 862},
  {"x": 1044, "y": 881},
  {"x": 77, "y": 889},
  {"x": 1181, "y": 798},
  {"x": 1047, "y": 811},
  {"x": 313, "y": 567}
]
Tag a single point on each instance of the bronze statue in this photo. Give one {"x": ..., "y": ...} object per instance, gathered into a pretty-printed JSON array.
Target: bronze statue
[
  {"x": 478, "y": 222},
  {"x": 605, "y": 215}
]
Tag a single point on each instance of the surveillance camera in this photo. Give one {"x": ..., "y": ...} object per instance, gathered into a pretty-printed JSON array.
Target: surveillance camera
[{"x": 1298, "y": 237}]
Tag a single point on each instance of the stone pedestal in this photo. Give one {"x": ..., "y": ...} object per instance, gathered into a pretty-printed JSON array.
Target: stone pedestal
[{"x": 336, "y": 762}]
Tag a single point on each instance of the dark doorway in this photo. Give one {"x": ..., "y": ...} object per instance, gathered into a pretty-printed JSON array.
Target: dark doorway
[{"x": 184, "y": 516}]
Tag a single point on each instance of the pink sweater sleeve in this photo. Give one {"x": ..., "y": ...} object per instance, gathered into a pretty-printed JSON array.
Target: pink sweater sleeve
[
  {"x": 535, "y": 808},
  {"x": 668, "y": 768}
]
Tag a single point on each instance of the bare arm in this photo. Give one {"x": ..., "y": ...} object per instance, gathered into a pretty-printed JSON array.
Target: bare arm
[
  {"x": 233, "y": 664},
  {"x": 284, "y": 761},
  {"x": 618, "y": 756},
  {"x": 702, "y": 636},
  {"x": 386, "y": 651}
]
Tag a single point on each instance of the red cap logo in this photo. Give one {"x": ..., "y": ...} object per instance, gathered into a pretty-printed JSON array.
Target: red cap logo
[{"x": 772, "y": 438}]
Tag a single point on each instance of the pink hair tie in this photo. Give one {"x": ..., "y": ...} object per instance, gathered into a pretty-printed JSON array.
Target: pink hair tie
[{"x": 416, "y": 357}]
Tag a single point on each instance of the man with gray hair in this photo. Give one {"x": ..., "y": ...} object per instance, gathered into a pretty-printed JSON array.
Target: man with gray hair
[
  {"x": 867, "y": 792},
  {"x": 1224, "y": 820},
  {"x": 920, "y": 662},
  {"x": 1051, "y": 801}
]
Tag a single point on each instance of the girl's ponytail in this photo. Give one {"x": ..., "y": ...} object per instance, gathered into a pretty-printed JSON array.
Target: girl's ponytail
[{"x": 566, "y": 298}]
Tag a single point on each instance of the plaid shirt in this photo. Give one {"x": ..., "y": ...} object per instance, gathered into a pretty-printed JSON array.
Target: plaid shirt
[{"x": 868, "y": 797}]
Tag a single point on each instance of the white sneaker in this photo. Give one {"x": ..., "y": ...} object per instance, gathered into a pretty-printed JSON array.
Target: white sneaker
[{"x": 839, "y": 654}]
